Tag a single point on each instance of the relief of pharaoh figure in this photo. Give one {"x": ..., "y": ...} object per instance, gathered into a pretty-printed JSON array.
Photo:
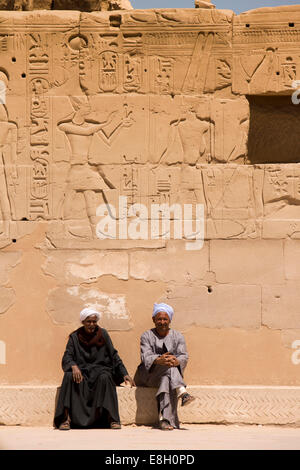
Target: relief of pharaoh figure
[
  {"x": 8, "y": 158},
  {"x": 193, "y": 132},
  {"x": 84, "y": 177}
]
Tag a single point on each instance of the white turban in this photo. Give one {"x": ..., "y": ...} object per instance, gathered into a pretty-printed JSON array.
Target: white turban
[
  {"x": 163, "y": 308},
  {"x": 86, "y": 312}
]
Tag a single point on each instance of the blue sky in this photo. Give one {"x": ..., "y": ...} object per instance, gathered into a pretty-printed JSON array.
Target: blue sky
[{"x": 236, "y": 5}]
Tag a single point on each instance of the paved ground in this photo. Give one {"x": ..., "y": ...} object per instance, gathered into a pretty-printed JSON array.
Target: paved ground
[{"x": 190, "y": 437}]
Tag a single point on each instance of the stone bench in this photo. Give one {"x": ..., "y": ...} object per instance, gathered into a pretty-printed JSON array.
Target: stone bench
[{"x": 34, "y": 405}]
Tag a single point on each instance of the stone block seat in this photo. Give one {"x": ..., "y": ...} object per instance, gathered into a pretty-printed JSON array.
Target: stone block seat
[{"x": 28, "y": 405}]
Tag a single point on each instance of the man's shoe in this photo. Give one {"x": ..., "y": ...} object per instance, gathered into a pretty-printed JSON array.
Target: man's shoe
[{"x": 186, "y": 399}]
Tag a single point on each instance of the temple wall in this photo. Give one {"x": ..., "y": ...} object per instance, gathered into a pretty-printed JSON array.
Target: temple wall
[{"x": 159, "y": 107}]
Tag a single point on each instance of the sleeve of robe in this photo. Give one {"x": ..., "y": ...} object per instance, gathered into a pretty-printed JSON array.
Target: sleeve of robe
[
  {"x": 119, "y": 369},
  {"x": 68, "y": 359},
  {"x": 148, "y": 353},
  {"x": 181, "y": 352}
]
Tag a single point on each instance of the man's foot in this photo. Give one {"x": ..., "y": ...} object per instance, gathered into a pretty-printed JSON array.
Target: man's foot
[
  {"x": 115, "y": 425},
  {"x": 65, "y": 426},
  {"x": 164, "y": 425},
  {"x": 186, "y": 399}
]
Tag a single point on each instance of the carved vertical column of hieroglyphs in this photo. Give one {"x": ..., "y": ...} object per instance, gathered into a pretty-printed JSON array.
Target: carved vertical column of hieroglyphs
[
  {"x": 13, "y": 158},
  {"x": 39, "y": 115}
]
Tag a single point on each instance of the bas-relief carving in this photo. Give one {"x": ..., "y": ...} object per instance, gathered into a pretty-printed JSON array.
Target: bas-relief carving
[
  {"x": 82, "y": 178},
  {"x": 281, "y": 195},
  {"x": 266, "y": 59},
  {"x": 197, "y": 130},
  {"x": 8, "y": 261},
  {"x": 8, "y": 169},
  {"x": 86, "y": 103},
  {"x": 266, "y": 71},
  {"x": 26, "y": 177}
]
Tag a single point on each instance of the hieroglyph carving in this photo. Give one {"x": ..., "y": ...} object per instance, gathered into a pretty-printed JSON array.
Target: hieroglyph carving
[
  {"x": 40, "y": 134},
  {"x": 265, "y": 59},
  {"x": 155, "y": 105}
]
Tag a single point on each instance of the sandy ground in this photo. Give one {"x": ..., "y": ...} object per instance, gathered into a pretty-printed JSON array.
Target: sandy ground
[{"x": 190, "y": 437}]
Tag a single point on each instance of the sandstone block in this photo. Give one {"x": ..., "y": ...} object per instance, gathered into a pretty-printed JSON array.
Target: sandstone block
[
  {"x": 292, "y": 259},
  {"x": 7, "y": 298},
  {"x": 247, "y": 261},
  {"x": 172, "y": 264},
  {"x": 280, "y": 306},
  {"x": 216, "y": 306},
  {"x": 8, "y": 260},
  {"x": 87, "y": 266},
  {"x": 290, "y": 337}
]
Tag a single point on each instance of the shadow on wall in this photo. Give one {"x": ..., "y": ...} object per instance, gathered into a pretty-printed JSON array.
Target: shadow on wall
[{"x": 274, "y": 130}]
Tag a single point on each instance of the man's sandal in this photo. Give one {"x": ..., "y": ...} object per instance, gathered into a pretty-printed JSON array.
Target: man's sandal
[
  {"x": 164, "y": 425},
  {"x": 115, "y": 425},
  {"x": 186, "y": 399},
  {"x": 65, "y": 426}
]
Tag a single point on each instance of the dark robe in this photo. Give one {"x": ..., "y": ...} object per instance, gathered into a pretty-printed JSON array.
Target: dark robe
[{"x": 94, "y": 400}]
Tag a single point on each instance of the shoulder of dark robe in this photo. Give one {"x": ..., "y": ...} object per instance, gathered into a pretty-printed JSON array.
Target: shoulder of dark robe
[{"x": 119, "y": 370}]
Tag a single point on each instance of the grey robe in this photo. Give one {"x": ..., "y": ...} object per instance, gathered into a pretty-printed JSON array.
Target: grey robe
[{"x": 167, "y": 379}]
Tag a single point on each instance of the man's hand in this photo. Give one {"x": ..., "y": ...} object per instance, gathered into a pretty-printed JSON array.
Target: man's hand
[
  {"x": 77, "y": 375},
  {"x": 167, "y": 359},
  {"x": 129, "y": 381}
]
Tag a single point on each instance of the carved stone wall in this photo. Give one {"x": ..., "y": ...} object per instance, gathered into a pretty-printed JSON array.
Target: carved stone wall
[{"x": 187, "y": 107}]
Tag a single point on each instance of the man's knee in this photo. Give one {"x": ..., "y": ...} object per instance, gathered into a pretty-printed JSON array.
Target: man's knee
[{"x": 105, "y": 378}]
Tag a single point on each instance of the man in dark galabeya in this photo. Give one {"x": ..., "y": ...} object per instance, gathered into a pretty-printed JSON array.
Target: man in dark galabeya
[{"x": 93, "y": 368}]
